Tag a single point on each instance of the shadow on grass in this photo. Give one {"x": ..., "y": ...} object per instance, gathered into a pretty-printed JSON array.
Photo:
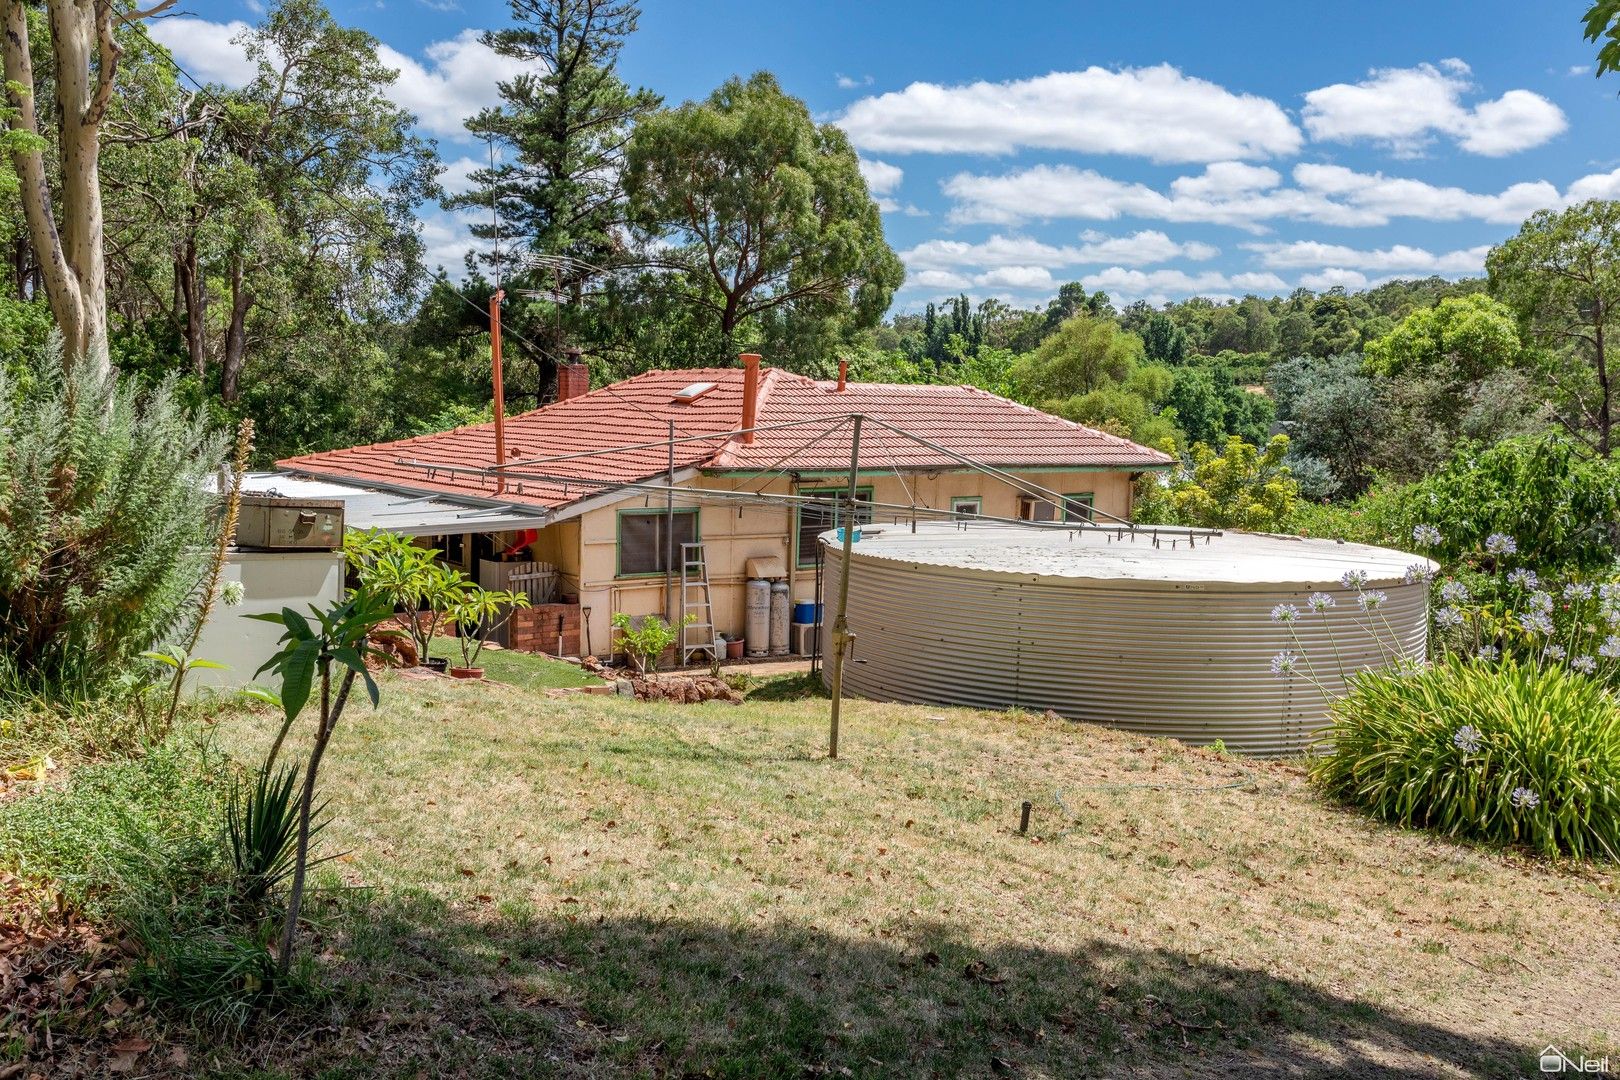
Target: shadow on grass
[
  {"x": 487, "y": 991},
  {"x": 800, "y": 687}
]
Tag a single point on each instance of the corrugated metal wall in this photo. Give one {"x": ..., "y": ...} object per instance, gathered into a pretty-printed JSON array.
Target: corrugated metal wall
[{"x": 1190, "y": 661}]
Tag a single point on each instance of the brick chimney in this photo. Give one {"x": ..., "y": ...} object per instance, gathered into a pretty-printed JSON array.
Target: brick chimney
[
  {"x": 573, "y": 377},
  {"x": 843, "y": 375},
  {"x": 750, "y": 405}
]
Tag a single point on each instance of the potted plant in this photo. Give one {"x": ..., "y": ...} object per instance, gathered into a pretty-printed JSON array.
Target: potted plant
[{"x": 477, "y": 614}]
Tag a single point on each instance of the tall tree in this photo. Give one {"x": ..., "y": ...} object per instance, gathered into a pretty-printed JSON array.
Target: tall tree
[
  {"x": 561, "y": 130},
  {"x": 1561, "y": 274},
  {"x": 765, "y": 211},
  {"x": 64, "y": 218}
]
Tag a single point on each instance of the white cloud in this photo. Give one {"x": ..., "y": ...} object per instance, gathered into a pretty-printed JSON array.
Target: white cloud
[
  {"x": 1312, "y": 253},
  {"x": 1597, "y": 186},
  {"x": 1579, "y": 69},
  {"x": 1023, "y": 254},
  {"x": 456, "y": 179},
  {"x": 457, "y": 79},
  {"x": 206, "y": 49},
  {"x": 1403, "y": 109},
  {"x": 881, "y": 177},
  {"x": 1122, "y": 283},
  {"x": 939, "y": 279},
  {"x": 850, "y": 82},
  {"x": 1016, "y": 277},
  {"x": 1247, "y": 197},
  {"x": 446, "y": 239},
  {"x": 1333, "y": 277},
  {"x": 1156, "y": 112}
]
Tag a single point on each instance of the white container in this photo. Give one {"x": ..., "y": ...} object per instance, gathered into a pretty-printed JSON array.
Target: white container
[
  {"x": 781, "y": 616},
  {"x": 271, "y": 580},
  {"x": 758, "y": 620}
]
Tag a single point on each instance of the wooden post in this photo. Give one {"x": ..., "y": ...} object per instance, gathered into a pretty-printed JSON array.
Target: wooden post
[
  {"x": 841, "y": 637},
  {"x": 500, "y": 389}
]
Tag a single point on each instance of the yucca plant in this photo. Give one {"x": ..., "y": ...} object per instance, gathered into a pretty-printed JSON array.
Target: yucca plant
[
  {"x": 1509, "y": 753},
  {"x": 261, "y": 830}
]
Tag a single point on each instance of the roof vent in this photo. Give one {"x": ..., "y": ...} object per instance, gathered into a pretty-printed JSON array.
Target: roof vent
[{"x": 688, "y": 394}]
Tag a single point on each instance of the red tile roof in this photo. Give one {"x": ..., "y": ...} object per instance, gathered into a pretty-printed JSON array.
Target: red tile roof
[{"x": 628, "y": 416}]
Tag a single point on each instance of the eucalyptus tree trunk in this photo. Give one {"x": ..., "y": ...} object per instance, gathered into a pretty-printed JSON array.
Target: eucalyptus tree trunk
[{"x": 68, "y": 247}]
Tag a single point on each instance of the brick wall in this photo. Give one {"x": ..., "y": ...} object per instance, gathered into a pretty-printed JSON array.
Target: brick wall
[{"x": 534, "y": 629}]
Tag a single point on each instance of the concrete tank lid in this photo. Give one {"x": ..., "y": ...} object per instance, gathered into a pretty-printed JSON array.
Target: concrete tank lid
[{"x": 1101, "y": 554}]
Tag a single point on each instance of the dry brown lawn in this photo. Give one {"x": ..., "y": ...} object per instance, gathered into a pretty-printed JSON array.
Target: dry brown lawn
[{"x": 599, "y": 887}]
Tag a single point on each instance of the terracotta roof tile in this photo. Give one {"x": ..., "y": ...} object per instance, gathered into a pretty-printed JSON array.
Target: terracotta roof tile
[{"x": 628, "y": 415}]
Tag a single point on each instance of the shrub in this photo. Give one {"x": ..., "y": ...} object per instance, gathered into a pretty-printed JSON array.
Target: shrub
[
  {"x": 1509, "y": 753},
  {"x": 104, "y": 524},
  {"x": 1246, "y": 487},
  {"x": 648, "y": 641}
]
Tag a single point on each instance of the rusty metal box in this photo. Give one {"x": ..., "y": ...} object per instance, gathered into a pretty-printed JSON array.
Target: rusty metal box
[{"x": 274, "y": 523}]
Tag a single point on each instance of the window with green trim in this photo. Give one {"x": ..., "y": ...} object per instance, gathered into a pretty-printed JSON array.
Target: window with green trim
[
  {"x": 1078, "y": 507},
  {"x": 645, "y": 539},
  {"x": 817, "y": 518}
]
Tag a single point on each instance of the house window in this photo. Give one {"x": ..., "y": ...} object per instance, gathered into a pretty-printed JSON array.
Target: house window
[
  {"x": 1077, "y": 507},
  {"x": 1031, "y": 508},
  {"x": 645, "y": 542},
  {"x": 817, "y": 518},
  {"x": 967, "y": 505}
]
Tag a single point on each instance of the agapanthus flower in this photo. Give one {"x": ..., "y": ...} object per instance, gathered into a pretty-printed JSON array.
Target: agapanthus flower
[
  {"x": 1320, "y": 601},
  {"x": 232, "y": 593},
  {"x": 1284, "y": 613},
  {"x": 1523, "y": 577},
  {"x": 1468, "y": 739},
  {"x": 1417, "y": 572},
  {"x": 1370, "y": 601},
  {"x": 1501, "y": 544},
  {"x": 1448, "y": 617},
  {"x": 1353, "y": 579},
  {"x": 1283, "y": 664},
  {"x": 1555, "y": 652},
  {"x": 1610, "y": 649},
  {"x": 1609, "y": 590},
  {"x": 1488, "y": 652},
  {"x": 1454, "y": 592},
  {"x": 1537, "y": 622},
  {"x": 1524, "y": 799},
  {"x": 1586, "y": 665},
  {"x": 1540, "y": 600},
  {"x": 1576, "y": 590},
  {"x": 1425, "y": 535}
]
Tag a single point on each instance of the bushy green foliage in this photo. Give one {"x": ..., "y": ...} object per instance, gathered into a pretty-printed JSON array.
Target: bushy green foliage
[
  {"x": 1243, "y": 488},
  {"x": 104, "y": 524},
  {"x": 1508, "y": 753},
  {"x": 648, "y": 638},
  {"x": 1475, "y": 334},
  {"x": 1561, "y": 506}
]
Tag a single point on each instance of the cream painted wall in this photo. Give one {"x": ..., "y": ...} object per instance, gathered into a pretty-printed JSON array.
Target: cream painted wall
[{"x": 586, "y": 548}]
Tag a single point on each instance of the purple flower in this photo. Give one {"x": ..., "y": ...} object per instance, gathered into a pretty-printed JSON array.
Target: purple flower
[
  {"x": 1523, "y": 578},
  {"x": 1501, "y": 544},
  {"x": 1284, "y": 613},
  {"x": 1283, "y": 664},
  {"x": 1468, "y": 739},
  {"x": 1586, "y": 665},
  {"x": 1425, "y": 535},
  {"x": 1320, "y": 602},
  {"x": 1488, "y": 652},
  {"x": 1540, "y": 600},
  {"x": 1524, "y": 799},
  {"x": 1418, "y": 572},
  {"x": 1454, "y": 592},
  {"x": 1353, "y": 579},
  {"x": 1537, "y": 622},
  {"x": 1447, "y": 617},
  {"x": 1576, "y": 590},
  {"x": 1370, "y": 601},
  {"x": 1555, "y": 652},
  {"x": 1610, "y": 649}
]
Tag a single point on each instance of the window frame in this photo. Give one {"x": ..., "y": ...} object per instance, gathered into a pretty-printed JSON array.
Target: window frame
[
  {"x": 1088, "y": 499},
  {"x": 618, "y": 539},
  {"x": 976, "y": 500},
  {"x": 1035, "y": 503},
  {"x": 863, "y": 493}
]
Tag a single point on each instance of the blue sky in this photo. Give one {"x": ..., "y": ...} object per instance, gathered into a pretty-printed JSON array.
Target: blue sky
[{"x": 1214, "y": 148}]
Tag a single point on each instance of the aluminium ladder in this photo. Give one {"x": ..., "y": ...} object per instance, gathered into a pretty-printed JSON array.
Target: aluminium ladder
[{"x": 696, "y": 605}]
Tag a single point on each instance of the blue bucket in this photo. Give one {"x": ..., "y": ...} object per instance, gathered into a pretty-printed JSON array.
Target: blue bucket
[{"x": 806, "y": 612}]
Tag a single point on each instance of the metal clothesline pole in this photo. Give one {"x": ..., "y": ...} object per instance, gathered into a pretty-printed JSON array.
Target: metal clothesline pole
[{"x": 842, "y": 639}]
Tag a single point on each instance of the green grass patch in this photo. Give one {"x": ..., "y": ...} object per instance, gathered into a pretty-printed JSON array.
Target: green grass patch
[{"x": 528, "y": 670}]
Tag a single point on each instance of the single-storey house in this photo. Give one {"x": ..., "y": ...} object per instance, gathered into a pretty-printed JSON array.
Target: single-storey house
[{"x": 602, "y": 486}]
